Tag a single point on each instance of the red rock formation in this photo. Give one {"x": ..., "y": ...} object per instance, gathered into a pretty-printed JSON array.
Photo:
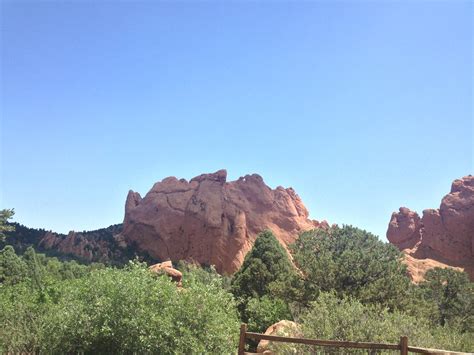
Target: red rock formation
[
  {"x": 97, "y": 245},
  {"x": 445, "y": 235},
  {"x": 417, "y": 268},
  {"x": 211, "y": 221},
  {"x": 72, "y": 244}
]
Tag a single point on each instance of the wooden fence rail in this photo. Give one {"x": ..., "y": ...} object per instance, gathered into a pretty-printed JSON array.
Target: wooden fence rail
[{"x": 402, "y": 346}]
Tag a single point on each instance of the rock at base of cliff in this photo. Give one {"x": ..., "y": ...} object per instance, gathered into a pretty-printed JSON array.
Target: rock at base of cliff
[{"x": 166, "y": 268}]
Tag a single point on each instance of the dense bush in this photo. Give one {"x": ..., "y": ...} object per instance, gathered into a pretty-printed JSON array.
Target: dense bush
[
  {"x": 265, "y": 311},
  {"x": 452, "y": 295},
  {"x": 193, "y": 273},
  {"x": 118, "y": 311},
  {"x": 330, "y": 317}
]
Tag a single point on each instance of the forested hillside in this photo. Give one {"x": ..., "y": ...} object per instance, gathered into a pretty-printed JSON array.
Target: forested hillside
[{"x": 87, "y": 246}]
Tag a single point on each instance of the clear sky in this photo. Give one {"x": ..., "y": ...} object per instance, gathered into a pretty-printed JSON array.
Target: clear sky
[{"x": 361, "y": 107}]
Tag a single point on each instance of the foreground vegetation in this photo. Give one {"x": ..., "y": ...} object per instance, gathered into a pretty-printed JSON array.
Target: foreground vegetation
[
  {"x": 347, "y": 286},
  {"x": 108, "y": 310}
]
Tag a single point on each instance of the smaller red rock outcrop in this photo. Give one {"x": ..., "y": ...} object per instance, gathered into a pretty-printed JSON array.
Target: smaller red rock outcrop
[
  {"x": 417, "y": 268},
  {"x": 166, "y": 268},
  {"x": 441, "y": 237},
  {"x": 404, "y": 228},
  {"x": 98, "y": 245},
  {"x": 73, "y": 244}
]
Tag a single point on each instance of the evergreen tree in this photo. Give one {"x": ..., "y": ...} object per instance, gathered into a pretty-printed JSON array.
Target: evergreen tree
[
  {"x": 351, "y": 262},
  {"x": 453, "y": 294},
  {"x": 5, "y": 215},
  {"x": 259, "y": 283},
  {"x": 35, "y": 269},
  {"x": 266, "y": 264},
  {"x": 12, "y": 267}
]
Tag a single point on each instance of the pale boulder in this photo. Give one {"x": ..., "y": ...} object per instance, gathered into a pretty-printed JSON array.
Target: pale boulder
[
  {"x": 166, "y": 268},
  {"x": 284, "y": 328}
]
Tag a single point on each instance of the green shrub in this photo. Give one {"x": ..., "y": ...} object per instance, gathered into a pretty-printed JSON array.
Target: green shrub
[
  {"x": 265, "y": 311},
  {"x": 22, "y": 322},
  {"x": 348, "y": 319},
  {"x": 206, "y": 275},
  {"x": 119, "y": 311}
]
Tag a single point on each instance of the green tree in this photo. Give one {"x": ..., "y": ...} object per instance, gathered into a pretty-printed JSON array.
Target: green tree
[
  {"x": 266, "y": 264},
  {"x": 35, "y": 269},
  {"x": 261, "y": 282},
  {"x": 5, "y": 215},
  {"x": 12, "y": 267},
  {"x": 353, "y": 262},
  {"x": 453, "y": 294}
]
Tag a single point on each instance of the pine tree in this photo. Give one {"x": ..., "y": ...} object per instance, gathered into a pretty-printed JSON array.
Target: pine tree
[
  {"x": 5, "y": 215},
  {"x": 12, "y": 267},
  {"x": 266, "y": 264},
  {"x": 258, "y": 284}
]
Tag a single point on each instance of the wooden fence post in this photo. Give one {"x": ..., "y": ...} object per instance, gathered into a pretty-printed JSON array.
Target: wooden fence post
[
  {"x": 243, "y": 330},
  {"x": 403, "y": 345}
]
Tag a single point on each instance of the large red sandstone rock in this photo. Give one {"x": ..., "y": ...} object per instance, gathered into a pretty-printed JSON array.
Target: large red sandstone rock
[
  {"x": 441, "y": 237},
  {"x": 211, "y": 221}
]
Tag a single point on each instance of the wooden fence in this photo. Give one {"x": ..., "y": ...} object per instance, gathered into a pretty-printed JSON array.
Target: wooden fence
[{"x": 402, "y": 346}]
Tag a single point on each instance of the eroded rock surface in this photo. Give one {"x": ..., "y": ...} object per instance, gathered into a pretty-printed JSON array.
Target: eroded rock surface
[
  {"x": 98, "y": 245},
  {"x": 211, "y": 221},
  {"x": 441, "y": 237}
]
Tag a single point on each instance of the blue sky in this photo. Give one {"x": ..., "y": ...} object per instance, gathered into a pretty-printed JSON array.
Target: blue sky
[{"x": 362, "y": 107}]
